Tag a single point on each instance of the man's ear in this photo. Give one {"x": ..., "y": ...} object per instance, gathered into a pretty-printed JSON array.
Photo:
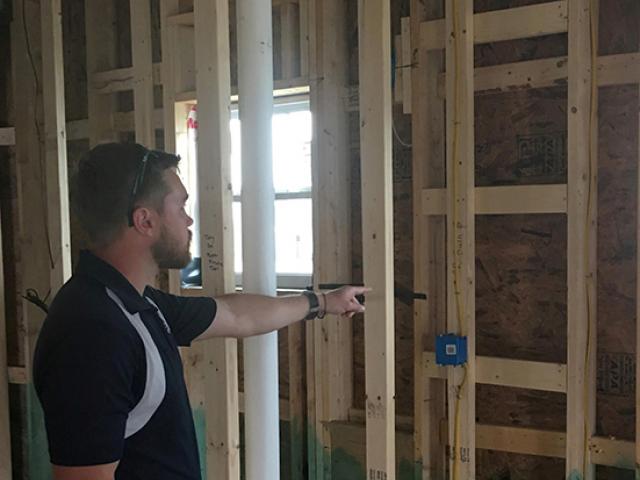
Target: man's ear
[{"x": 145, "y": 221}]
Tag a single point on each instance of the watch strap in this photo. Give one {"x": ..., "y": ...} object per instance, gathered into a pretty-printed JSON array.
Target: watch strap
[{"x": 314, "y": 304}]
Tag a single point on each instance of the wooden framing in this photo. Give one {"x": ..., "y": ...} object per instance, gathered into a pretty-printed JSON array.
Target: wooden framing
[
  {"x": 329, "y": 341},
  {"x": 55, "y": 144},
  {"x": 428, "y": 140},
  {"x": 140, "y": 13},
  {"x": 507, "y": 24},
  {"x": 577, "y": 199},
  {"x": 211, "y": 367},
  {"x": 377, "y": 234},
  {"x": 220, "y": 362},
  {"x": 612, "y": 70},
  {"x": 512, "y": 200},
  {"x": 40, "y": 154},
  {"x": 290, "y": 48},
  {"x": 460, "y": 233},
  {"x": 581, "y": 238},
  {"x": 526, "y": 441},
  {"x": 550, "y": 377}
]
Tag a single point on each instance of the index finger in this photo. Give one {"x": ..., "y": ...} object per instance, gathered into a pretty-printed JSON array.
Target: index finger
[{"x": 360, "y": 290}]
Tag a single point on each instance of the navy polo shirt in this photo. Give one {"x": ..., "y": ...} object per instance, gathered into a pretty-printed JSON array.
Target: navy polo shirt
[{"x": 109, "y": 375}]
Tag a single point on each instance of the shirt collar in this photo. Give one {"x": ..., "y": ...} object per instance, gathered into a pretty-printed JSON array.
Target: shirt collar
[{"x": 96, "y": 268}]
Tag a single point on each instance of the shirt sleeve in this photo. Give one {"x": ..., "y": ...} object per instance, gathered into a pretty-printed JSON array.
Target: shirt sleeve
[
  {"x": 188, "y": 317},
  {"x": 84, "y": 381}
]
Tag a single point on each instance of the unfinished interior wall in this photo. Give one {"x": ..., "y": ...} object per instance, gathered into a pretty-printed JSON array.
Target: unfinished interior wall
[{"x": 521, "y": 259}]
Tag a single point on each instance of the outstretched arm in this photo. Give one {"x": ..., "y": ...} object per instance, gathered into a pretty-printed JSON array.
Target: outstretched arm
[{"x": 243, "y": 315}]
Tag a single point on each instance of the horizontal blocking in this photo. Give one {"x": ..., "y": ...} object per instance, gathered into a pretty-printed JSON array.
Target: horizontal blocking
[
  {"x": 604, "y": 451},
  {"x": 121, "y": 79},
  {"x": 550, "y": 377},
  {"x": 612, "y": 452},
  {"x": 511, "y": 200},
  {"x": 508, "y": 24},
  {"x": 548, "y": 72},
  {"x": 18, "y": 375},
  {"x": 612, "y": 70},
  {"x": 525, "y": 441}
]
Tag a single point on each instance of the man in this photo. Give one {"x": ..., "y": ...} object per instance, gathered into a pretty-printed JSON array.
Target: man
[{"x": 107, "y": 368}]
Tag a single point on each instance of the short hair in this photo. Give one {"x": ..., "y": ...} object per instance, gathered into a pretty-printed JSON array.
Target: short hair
[{"x": 102, "y": 184}]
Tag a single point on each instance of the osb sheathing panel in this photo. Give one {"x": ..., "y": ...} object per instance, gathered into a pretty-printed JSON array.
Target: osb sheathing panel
[{"x": 617, "y": 191}]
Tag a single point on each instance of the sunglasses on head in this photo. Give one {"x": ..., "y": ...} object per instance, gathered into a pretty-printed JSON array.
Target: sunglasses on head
[{"x": 137, "y": 184}]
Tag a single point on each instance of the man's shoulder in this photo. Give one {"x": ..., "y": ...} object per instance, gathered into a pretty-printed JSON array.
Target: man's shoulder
[
  {"x": 81, "y": 302},
  {"x": 83, "y": 323}
]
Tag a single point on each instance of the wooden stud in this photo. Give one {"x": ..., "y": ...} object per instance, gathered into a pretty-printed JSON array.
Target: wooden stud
[
  {"x": 511, "y": 200},
  {"x": 581, "y": 239},
  {"x": 39, "y": 200},
  {"x": 317, "y": 437},
  {"x": 101, "y": 56},
  {"x": 171, "y": 116},
  {"x": 55, "y": 144},
  {"x": 461, "y": 233},
  {"x": 377, "y": 233},
  {"x": 329, "y": 341},
  {"x": 550, "y": 377},
  {"x": 507, "y": 24},
  {"x": 142, "y": 72},
  {"x": 216, "y": 230},
  {"x": 428, "y": 140}
]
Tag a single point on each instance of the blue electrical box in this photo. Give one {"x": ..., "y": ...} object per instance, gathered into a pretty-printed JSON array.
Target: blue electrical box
[{"x": 451, "y": 349}]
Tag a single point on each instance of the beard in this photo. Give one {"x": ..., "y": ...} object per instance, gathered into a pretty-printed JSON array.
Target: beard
[{"x": 168, "y": 253}]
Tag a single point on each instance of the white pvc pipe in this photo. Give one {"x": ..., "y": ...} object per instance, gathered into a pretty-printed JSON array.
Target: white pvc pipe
[{"x": 255, "y": 89}]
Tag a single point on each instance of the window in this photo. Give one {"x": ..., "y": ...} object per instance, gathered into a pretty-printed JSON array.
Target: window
[{"x": 292, "y": 184}]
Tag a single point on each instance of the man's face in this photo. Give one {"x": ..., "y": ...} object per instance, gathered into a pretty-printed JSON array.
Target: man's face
[{"x": 171, "y": 250}]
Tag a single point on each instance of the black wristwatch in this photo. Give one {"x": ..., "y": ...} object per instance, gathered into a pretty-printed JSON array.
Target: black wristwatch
[{"x": 314, "y": 305}]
